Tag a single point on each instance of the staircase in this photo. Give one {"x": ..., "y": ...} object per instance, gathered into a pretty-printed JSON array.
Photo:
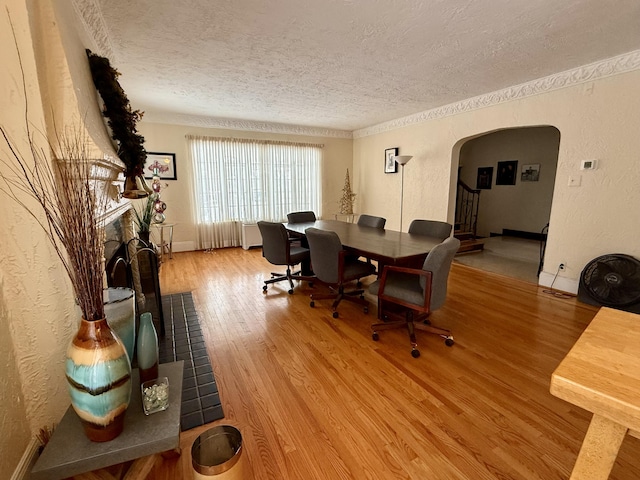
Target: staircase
[{"x": 467, "y": 205}]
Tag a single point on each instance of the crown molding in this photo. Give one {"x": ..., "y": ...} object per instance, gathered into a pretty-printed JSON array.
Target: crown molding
[
  {"x": 94, "y": 26},
  {"x": 247, "y": 125},
  {"x": 587, "y": 73}
]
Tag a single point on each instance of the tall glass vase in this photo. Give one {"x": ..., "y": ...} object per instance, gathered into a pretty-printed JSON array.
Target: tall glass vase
[
  {"x": 99, "y": 377},
  {"x": 147, "y": 348}
]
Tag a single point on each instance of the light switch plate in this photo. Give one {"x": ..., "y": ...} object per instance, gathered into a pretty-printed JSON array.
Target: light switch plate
[{"x": 574, "y": 181}]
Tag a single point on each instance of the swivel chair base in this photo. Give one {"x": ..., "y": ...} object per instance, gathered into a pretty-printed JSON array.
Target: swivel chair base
[
  {"x": 408, "y": 321},
  {"x": 354, "y": 296}
]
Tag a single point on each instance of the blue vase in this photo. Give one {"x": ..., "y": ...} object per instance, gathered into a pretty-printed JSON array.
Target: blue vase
[
  {"x": 99, "y": 377},
  {"x": 147, "y": 345}
]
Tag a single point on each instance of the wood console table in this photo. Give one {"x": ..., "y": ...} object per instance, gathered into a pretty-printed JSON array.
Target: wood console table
[
  {"x": 601, "y": 374},
  {"x": 70, "y": 452}
]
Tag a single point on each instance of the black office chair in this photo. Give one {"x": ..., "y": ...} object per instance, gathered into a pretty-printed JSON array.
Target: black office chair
[
  {"x": 431, "y": 228},
  {"x": 277, "y": 249},
  {"x": 332, "y": 267},
  {"x": 371, "y": 221},
  {"x": 403, "y": 292},
  {"x": 301, "y": 217}
]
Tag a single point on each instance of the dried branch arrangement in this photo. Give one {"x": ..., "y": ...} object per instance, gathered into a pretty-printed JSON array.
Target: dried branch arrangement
[{"x": 66, "y": 196}]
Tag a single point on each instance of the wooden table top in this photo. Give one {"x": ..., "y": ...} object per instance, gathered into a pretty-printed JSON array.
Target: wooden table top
[
  {"x": 387, "y": 246},
  {"x": 601, "y": 373}
]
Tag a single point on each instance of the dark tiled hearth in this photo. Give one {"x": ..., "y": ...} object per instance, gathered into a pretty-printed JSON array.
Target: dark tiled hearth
[{"x": 184, "y": 341}]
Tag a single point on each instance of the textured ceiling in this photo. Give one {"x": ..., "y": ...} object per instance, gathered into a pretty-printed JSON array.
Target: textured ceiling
[{"x": 345, "y": 64}]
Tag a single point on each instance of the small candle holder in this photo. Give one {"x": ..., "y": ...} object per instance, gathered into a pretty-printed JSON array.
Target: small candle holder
[{"x": 155, "y": 395}]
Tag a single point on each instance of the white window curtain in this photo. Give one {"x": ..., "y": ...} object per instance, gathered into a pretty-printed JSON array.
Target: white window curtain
[{"x": 240, "y": 181}]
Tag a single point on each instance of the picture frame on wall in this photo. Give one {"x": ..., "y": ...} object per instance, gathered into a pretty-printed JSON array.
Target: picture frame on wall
[
  {"x": 485, "y": 178},
  {"x": 162, "y": 163},
  {"x": 390, "y": 165},
  {"x": 507, "y": 171},
  {"x": 530, "y": 172}
]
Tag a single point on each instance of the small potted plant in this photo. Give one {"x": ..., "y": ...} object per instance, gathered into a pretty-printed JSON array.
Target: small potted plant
[{"x": 144, "y": 217}]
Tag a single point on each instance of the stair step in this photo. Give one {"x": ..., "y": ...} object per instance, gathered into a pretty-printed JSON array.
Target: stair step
[
  {"x": 471, "y": 246},
  {"x": 463, "y": 235}
]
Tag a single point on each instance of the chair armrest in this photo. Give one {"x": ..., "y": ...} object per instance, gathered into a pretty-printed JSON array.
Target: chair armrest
[{"x": 410, "y": 271}]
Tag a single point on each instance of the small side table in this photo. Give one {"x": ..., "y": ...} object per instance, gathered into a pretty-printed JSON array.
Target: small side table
[
  {"x": 70, "y": 452},
  {"x": 168, "y": 245}
]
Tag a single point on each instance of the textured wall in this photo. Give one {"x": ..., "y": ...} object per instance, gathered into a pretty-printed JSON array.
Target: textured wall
[
  {"x": 159, "y": 137},
  {"x": 34, "y": 314},
  {"x": 13, "y": 416},
  {"x": 37, "y": 316},
  {"x": 525, "y": 206},
  {"x": 597, "y": 120}
]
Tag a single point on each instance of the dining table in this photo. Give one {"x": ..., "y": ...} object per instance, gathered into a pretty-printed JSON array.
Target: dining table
[{"x": 387, "y": 247}]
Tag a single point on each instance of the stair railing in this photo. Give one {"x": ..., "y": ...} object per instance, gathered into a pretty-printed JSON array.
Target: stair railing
[{"x": 467, "y": 205}]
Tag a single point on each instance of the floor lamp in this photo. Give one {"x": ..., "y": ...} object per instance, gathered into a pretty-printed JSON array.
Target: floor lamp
[{"x": 402, "y": 160}]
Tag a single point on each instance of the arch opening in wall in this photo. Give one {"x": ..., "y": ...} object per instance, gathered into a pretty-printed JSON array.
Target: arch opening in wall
[{"x": 513, "y": 171}]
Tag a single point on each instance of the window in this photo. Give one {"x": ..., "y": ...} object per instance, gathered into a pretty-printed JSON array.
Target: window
[{"x": 242, "y": 181}]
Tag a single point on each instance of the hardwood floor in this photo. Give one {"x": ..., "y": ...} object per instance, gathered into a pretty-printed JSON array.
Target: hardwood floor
[{"x": 316, "y": 398}]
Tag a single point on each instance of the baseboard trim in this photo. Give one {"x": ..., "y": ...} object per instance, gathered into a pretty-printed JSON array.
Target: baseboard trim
[
  {"x": 29, "y": 457},
  {"x": 568, "y": 285},
  {"x": 189, "y": 246},
  {"x": 522, "y": 234}
]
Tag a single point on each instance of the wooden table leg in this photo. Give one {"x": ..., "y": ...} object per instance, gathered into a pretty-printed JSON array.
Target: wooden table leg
[
  {"x": 141, "y": 468},
  {"x": 599, "y": 449}
]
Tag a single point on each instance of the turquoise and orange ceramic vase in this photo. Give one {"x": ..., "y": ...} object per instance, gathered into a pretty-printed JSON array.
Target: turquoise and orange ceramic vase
[{"x": 99, "y": 377}]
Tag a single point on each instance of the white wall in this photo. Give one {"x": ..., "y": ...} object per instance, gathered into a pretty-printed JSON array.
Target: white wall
[
  {"x": 598, "y": 120},
  {"x": 337, "y": 154},
  {"x": 525, "y": 206}
]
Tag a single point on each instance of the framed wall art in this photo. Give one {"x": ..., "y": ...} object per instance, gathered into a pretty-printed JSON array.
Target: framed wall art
[
  {"x": 530, "y": 173},
  {"x": 485, "y": 177},
  {"x": 164, "y": 164},
  {"x": 507, "y": 172},
  {"x": 390, "y": 165}
]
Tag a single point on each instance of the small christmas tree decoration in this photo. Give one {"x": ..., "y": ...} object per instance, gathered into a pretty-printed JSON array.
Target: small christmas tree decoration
[{"x": 348, "y": 197}]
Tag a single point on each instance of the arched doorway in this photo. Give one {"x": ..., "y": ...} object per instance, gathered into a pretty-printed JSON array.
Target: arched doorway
[{"x": 514, "y": 172}]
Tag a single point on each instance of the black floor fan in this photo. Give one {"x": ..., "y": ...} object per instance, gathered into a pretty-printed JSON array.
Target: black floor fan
[{"x": 612, "y": 281}]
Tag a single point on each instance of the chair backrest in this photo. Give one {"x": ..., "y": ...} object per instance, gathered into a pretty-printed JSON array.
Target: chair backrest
[
  {"x": 431, "y": 228},
  {"x": 325, "y": 248},
  {"x": 275, "y": 242},
  {"x": 301, "y": 217},
  {"x": 371, "y": 221},
  {"x": 439, "y": 263}
]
